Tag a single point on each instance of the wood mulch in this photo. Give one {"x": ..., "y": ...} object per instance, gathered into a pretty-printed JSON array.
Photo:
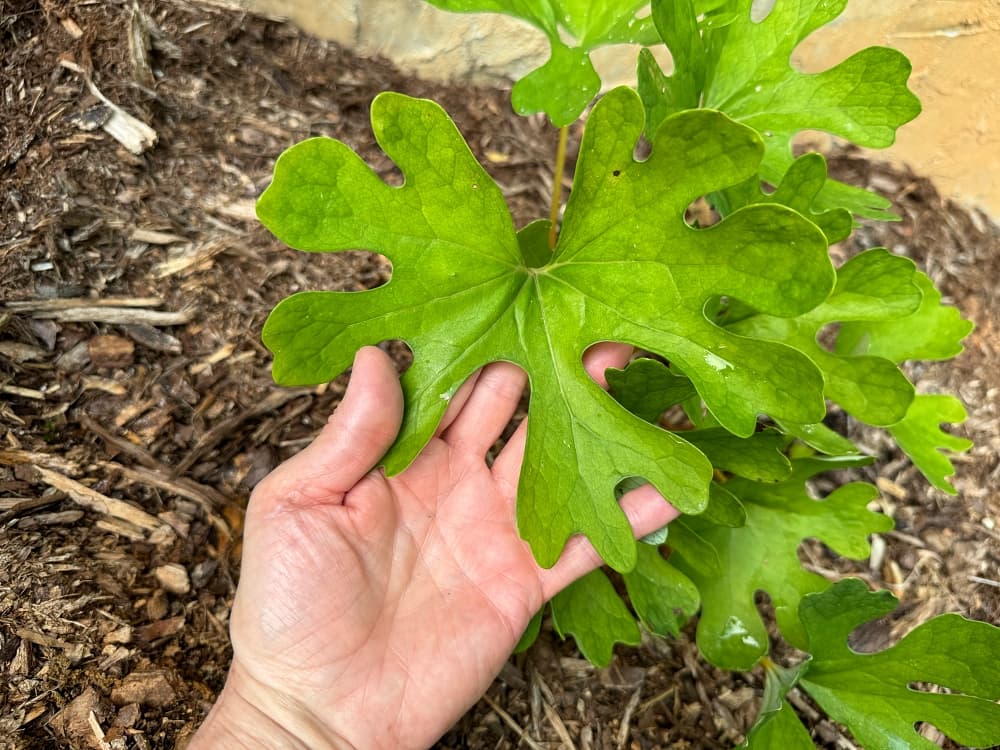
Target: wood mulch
[{"x": 137, "y": 410}]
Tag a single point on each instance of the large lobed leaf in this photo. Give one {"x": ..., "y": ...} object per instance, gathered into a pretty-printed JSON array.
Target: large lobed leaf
[
  {"x": 730, "y": 565},
  {"x": 465, "y": 292},
  {"x": 743, "y": 68},
  {"x": 873, "y": 694}
]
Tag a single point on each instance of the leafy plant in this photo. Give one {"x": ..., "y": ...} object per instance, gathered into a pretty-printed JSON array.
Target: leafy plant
[{"x": 734, "y": 318}]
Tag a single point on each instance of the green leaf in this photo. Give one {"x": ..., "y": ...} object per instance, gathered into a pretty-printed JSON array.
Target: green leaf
[
  {"x": 799, "y": 189},
  {"x": 820, "y": 437},
  {"x": 647, "y": 388},
  {"x": 592, "y": 612},
  {"x": 759, "y": 457},
  {"x": 932, "y": 331},
  {"x": 561, "y": 88},
  {"x": 921, "y": 438},
  {"x": 662, "y": 596},
  {"x": 462, "y": 295},
  {"x": 875, "y": 285},
  {"x": 871, "y": 693},
  {"x": 530, "y": 634},
  {"x": 749, "y": 76},
  {"x": 762, "y": 556},
  {"x": 567, "y": 82},
  {"x": 677, "y": 24},
  {"x": 777, "y": 727},
  {"x": 724, "y": 508}
]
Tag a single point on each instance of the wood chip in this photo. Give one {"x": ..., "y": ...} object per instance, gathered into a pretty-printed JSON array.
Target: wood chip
[
  {"x": 144, "y": 688},
  {"x": 118, "y": 316},
  {"x": 160, "y": 629},
  {"x": 173, "y": 577},
  {"x": 15, "y": 390},
  {"x": 71, "y": 303},
  {"x": 110, "y": 352},
  {"x": 154, "y": 237},
  {"x": 18, "y": 352},
  {"x": 59, "y": 518},
  {"x": 93, "y": 500}
]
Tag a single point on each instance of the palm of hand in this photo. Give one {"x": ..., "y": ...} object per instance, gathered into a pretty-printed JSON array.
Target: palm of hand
[{"x": 386, "y": 606}]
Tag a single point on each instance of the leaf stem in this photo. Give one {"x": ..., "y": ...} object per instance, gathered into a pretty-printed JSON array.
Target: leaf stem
[{"x": 557, "y": 185}]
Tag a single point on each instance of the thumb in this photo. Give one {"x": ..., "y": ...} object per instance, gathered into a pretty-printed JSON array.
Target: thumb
[{"x": 356, "y": 436}]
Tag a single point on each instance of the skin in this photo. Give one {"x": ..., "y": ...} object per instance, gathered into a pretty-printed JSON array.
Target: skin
[{"x": 372, "y": 612}]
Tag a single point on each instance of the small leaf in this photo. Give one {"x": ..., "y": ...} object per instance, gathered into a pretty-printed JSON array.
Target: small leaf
[
  {"x": 921, "y": 438},
  {"x": 759, "y": 457},
  {"x": 658, "y": 592},
  {"x": 748, "y": 75},
  {"x": 871, "y": 693},
  {"x": 933, "y": 331},
  {"x": 530, "y": 634},
  {"x": 647, "y": 388},
  {"x": 777, "y": 727},
  {"x": 875, "y": 285},
  {"x": 578, "y": 84},
  {"x": 677, "y": 24},
  {"x": 592, "y": 612},
  {"x": 762, "y": 555},
  {"x": 820, "y": 437}
]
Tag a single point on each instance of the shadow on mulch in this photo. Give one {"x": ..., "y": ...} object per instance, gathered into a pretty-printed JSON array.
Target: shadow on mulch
[{"x": 135, "y": 288}]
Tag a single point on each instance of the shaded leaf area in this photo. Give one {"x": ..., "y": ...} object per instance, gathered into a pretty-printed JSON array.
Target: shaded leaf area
[
  {"x": 730, "y": 565},
  {"x": 889, "y": 313},
  {"x": 592, "y": 612},
  {"x": 799, "y": 189},
  {"x": 777, "y": 726},
  {"x": 873, "y": 285},
  {"x": 743, "y": 68},
  {"x": 465, "y": 292},
  {"x": 567, "y": 82},
  {"x": 919, "y": 436},
  {"x": 873, "y": 694}
]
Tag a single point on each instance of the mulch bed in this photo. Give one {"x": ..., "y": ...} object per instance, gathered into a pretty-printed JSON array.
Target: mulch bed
[{"x": 133, "y": 292}]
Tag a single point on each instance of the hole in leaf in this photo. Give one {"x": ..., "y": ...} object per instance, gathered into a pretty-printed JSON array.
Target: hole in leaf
[
  {"x": 347, "y": 271},
  {"x": 384, "y": 167},
  {"x": 400, "y": 352},
  {"x": 806, "y": 141},
  {"x": 930, "y": 732},
  {"x": 643, "y": 148},
  {"x": 827, "y": 336},
  {"x": 761, "y": 9},
  {"x": 701, "y": 214}
]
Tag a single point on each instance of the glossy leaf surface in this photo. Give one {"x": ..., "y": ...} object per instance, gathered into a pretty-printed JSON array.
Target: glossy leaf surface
[
  {"x": 465, "y": 292},
  {"x": 872, "y": 694}
]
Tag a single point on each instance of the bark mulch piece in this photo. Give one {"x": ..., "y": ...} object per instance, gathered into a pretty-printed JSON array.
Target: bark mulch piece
[{"x": 138, "y": 411}]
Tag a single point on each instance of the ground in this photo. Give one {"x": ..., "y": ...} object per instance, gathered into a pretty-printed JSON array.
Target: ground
[{"x": 134, "y": 289}]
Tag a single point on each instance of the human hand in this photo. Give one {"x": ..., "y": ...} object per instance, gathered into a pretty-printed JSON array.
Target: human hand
[{"x": 372, "y": 611}]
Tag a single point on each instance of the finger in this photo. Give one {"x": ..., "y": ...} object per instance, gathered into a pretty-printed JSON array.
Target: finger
[
  {"x": 646, "y": 511},
  {"x": 490, "y": 406},
  {"x": 507, "y": 467},
  {"x": 356, "y": 436},
  {"x": 600, "y": 357},
  {"x": 457, "y": 403}
]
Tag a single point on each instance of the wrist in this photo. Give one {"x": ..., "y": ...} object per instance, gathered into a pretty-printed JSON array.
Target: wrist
[{"x": 248, "y": 716}]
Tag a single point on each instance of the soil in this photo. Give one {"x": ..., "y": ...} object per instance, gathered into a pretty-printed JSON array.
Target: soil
[{"x": 134, "y": 288}]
